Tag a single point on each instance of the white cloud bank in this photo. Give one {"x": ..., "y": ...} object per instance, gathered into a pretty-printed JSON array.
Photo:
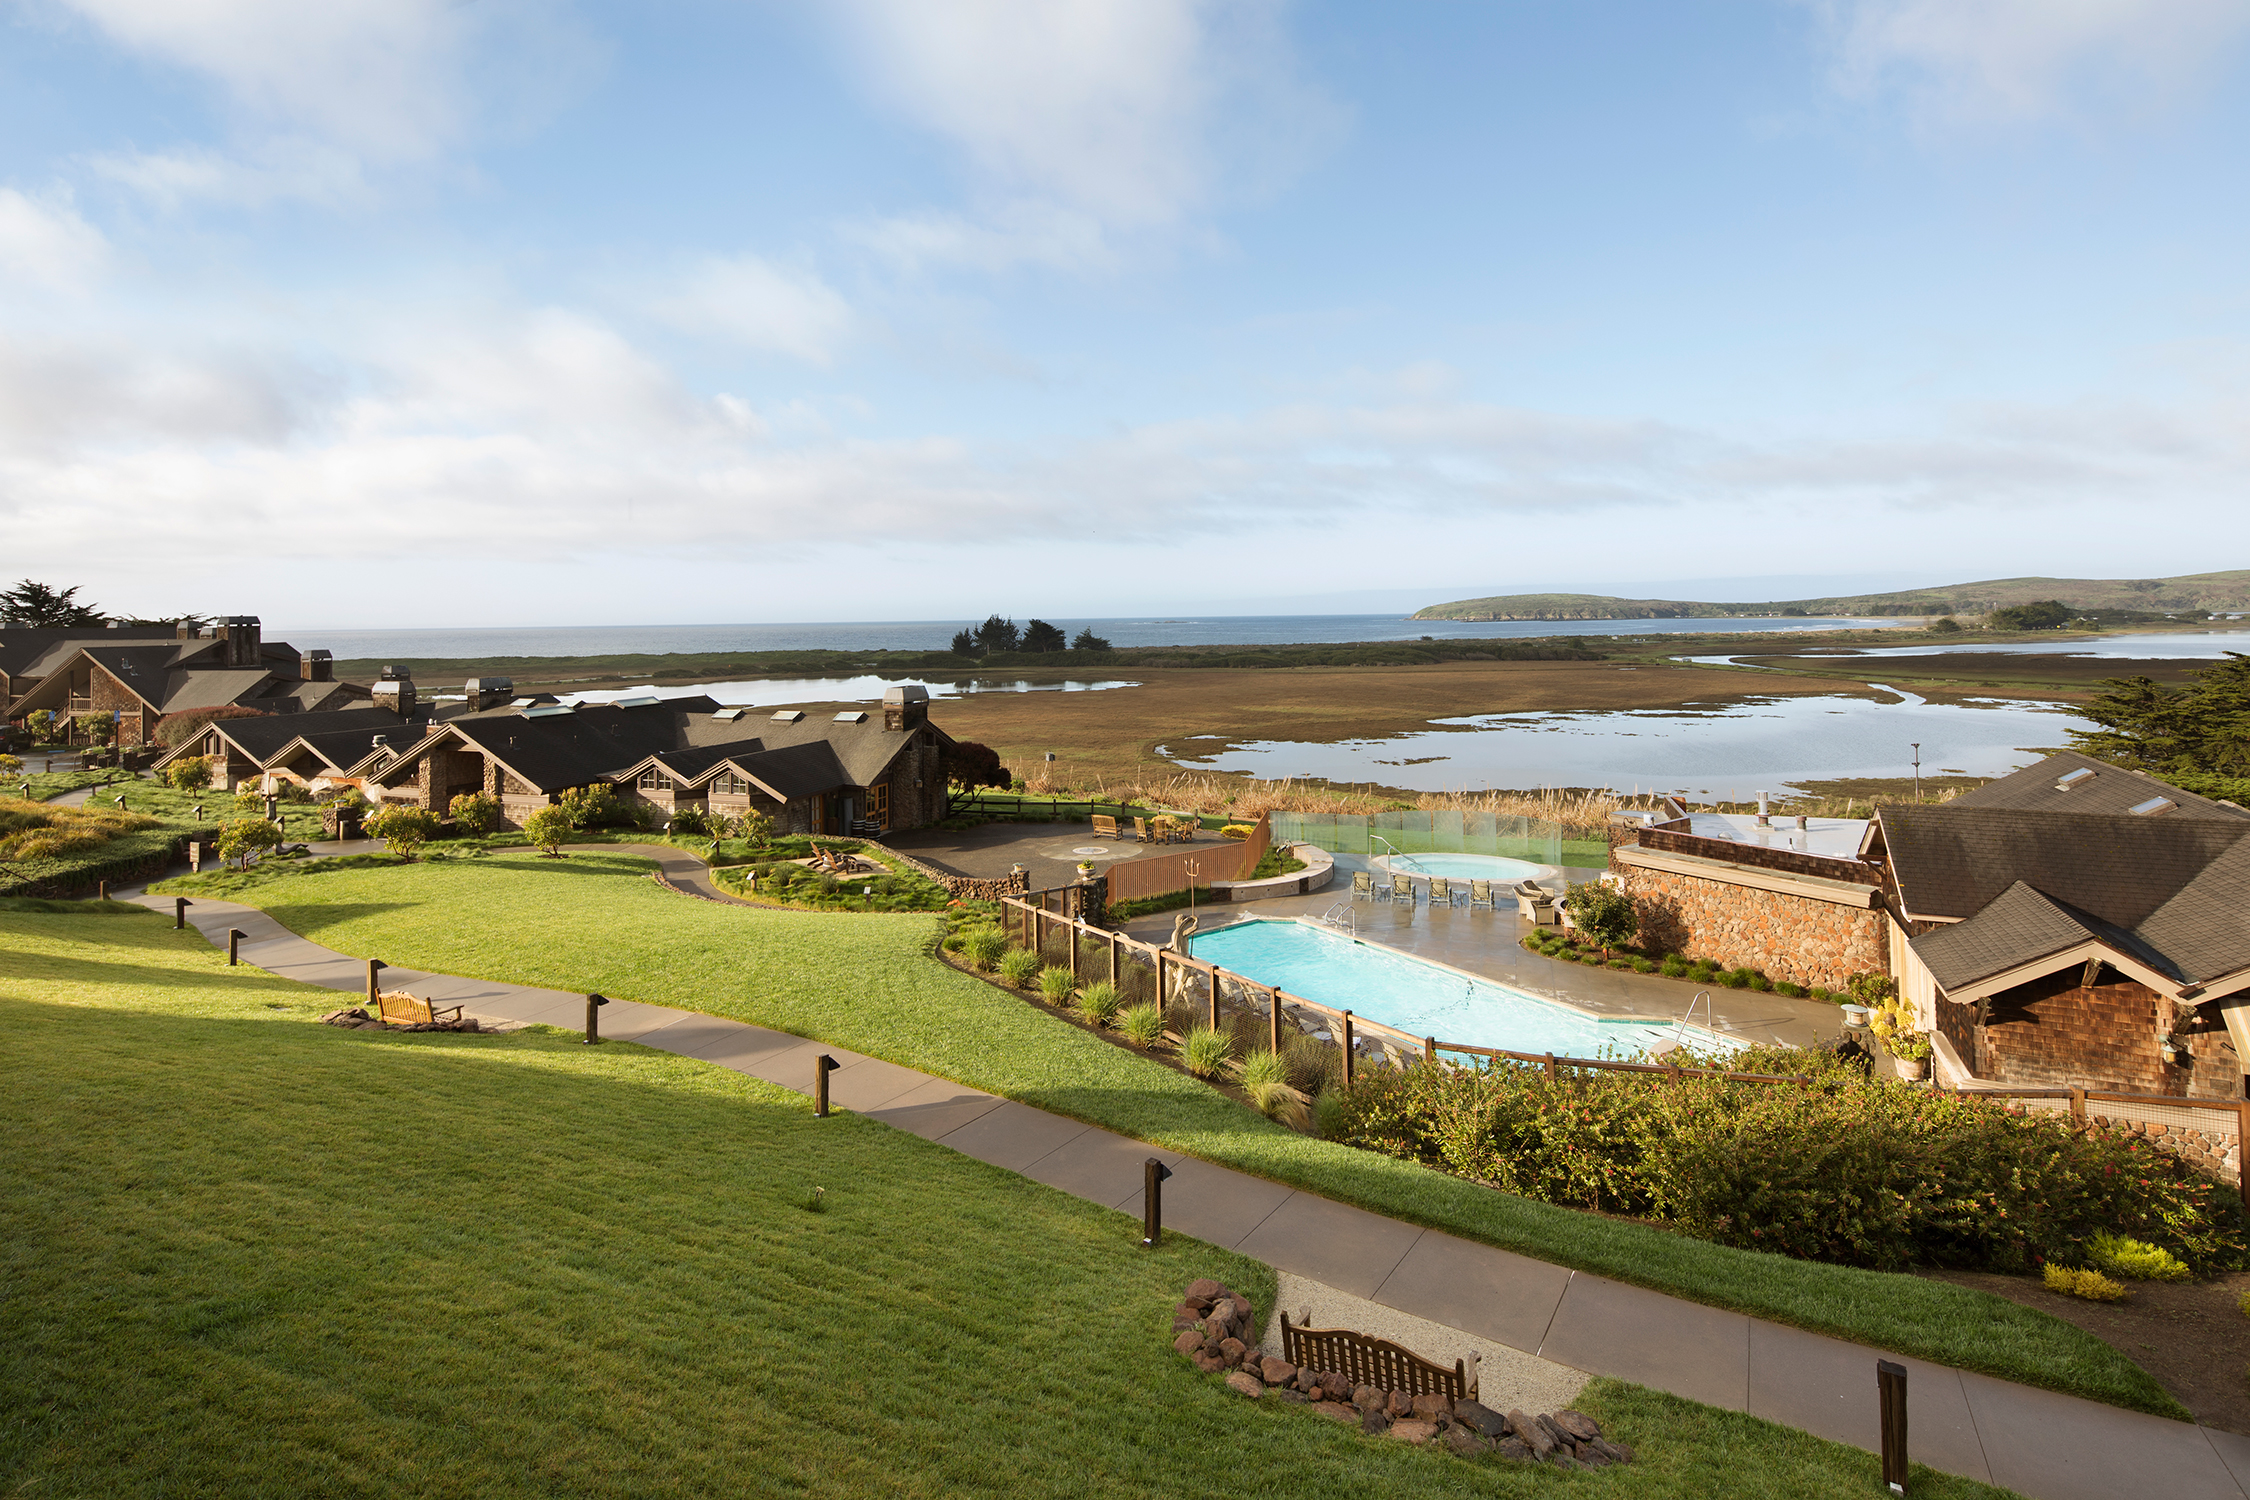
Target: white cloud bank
[
  {"x": 2027, "y": 60},
  {"x": 47, "y": 243}
]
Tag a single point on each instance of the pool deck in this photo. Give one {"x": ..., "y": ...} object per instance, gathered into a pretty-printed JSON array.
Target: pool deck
[{"x": 1488, "y": 944}]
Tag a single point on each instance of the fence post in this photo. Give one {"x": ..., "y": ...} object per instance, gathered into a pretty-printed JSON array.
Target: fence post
[
  {"x": 2078, "y": 1105},
  {"x": 2241, "y": 1138},
  {"x": 1116, "y": 964},
  {"x": 1273, "y": 1018},
  {"x": 1213, "y": 976},
  {"x": 1162, "y": 1001},
  {"x": 1429, "y": 1049},
  {"x": 1554, "y": 1074},
  {"x": 1074, "y": 925},
  {"x": 1347, "y": 1049}
]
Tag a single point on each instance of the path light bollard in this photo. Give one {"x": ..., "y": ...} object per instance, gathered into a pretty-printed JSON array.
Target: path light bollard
[
  {"x": 235, "y": 935},
  {"x": 594, "y": 1004},
  {"x": 1890, "y": 1382},
  {"x": 1153, "y": 1176},
  {"x": 180, "y": 904},
  {"x": 374, "y": 967},
  {"x": 823, "y": 1065}
]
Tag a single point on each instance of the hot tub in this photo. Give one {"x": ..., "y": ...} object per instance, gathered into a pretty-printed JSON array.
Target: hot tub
[{"x": 1493, "y": 867}]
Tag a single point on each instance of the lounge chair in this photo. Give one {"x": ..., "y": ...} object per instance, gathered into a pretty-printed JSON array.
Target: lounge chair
[
  {"x": 1534, "y": 904},
  {"x": 1402, "y": 889},
  {"x": 1480, "y": 894},
  {"x": 1363, "y": 886},
  {"x": 1441, "y": 890},
  {"x": 1106, "y": 826}
]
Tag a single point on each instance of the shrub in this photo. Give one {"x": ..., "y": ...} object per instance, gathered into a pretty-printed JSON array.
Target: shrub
[
  {"x": 1760, "y": 982},
  {"x": 1265, "y": 1078},
  {"x": 403, "y": 829},
  {"x": 1204, "y": 1051},
  {"x": 1313, "y": 1063},
  {"x": 986, "y": 946},
  {"x": 1098, "y": 1003},
  {"x": 754, "y": 829},
  {"x": 1673, "y": 968},
  {"x": 598, "y": 806},
  {"x": 474, "y": 814},
  {"x": 1793, "y": 991},
  {"x": 1055, "y": 984},
  {"x": 1332, "y": 1121},
  {"x": 1143, "y": 1024},
  {"x": 246, "y": 838},
  {"x": 548, "y": 827},
  {"x": 691, "y": 821},
  {"x": 1604, "y": 913},
  {"x": 2091, "y": 1285},
  {"x": 1236, "y": 830},
  {"x": 2130, "y": 1260},
  {"x": 189, "y": 773},
  {"x": 1852, "y": 1171},
  {"x": 1019, "y": 966}
]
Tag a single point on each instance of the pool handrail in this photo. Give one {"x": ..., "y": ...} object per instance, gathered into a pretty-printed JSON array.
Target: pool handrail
[{"x": 1396, "y": 852}]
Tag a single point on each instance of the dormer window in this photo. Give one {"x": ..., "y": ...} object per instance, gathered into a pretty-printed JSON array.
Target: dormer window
[
  {"x": 653, "y": 780},
  {"x": 731, "y": 784}
]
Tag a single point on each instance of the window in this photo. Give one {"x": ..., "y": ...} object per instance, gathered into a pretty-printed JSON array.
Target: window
[
  {"x": 653, "y": 780},
  {"x": 879, "y": 805},
  {"x": 732, "y": 784}
]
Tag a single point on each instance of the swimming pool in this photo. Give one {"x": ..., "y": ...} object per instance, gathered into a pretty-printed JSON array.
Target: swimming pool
[
  {"x": 1425, "y": 999},
  {"x": 1463, "y": 867}
]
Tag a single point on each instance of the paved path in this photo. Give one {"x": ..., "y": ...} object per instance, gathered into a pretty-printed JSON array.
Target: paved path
[{"x": 2044, "y": 1445}]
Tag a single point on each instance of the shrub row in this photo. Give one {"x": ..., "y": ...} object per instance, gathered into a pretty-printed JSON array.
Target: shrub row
[
  {"x": 1850, "y": 1171},
  {"x": 1572, "y": 949}
]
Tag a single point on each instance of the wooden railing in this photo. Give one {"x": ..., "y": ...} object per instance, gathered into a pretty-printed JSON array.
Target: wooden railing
[
  {"x": 1364, "y": 1359},
  {"x": 2080, "y": 1098}
]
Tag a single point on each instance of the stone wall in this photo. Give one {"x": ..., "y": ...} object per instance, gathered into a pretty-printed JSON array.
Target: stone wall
[
  {"x": 108, "y": 694},
  {"x": 1789, "y": 860},
  {"x": 1798, "y": 938},
  {"x": 962, "y": 887}
]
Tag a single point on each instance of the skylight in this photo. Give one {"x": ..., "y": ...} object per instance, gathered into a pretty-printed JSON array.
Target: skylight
[
  {"x": 641, "y": 700},
  {"x": 2152, "y": 807},
  {"x": 789, "y": 716},
  {"x": 2078, "y": 777},
  {"x": 729, "y": 715},
  {"x": 548, "y": 711},
  {"x": 852, "y": 716}
]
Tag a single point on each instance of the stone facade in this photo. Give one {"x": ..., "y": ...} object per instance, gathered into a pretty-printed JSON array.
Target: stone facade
[
  {"x": 109, "y": 695},
  {"x": 1801, "y": 939}
]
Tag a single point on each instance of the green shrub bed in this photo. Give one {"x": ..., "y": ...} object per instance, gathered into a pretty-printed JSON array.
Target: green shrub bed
[
  {"x": 802, "y": 885},
  {"x": 1850, "y": 1171},
  {"x": 1570, "y": 947}
]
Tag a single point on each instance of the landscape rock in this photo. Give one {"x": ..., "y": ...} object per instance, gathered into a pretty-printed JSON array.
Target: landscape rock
[
  {"x": 1286, "y": 1394},
  {"x": 1483, "y": 1418},
  {"x": 1209, "y": 1364},
  {"x": 1241, "y": 1310},
  {"x": 1429, "y": 1404},
  {"x": 1565, "y": 1461},
  {"x": 1247, "y": 1383},
  {"x": 1465, "y": 1442},
  {"x": 1553, "y": 1429},
  {"x": 1337, "y": 1411},
  {"x": 1398, "y": 1404},
  {"x": 1337, "y": 1387},
  {"x": 1308, "y": 1381},
  {"x": 1276, "y": 1371},
  {"x": 1374, "y": 1423},
  {"x": 1367, "y": 1398},
  {"x": 1205, "y": 1290},
  {"x": 1188, "y": 1342},
  {"x": 1617, "y": 1453},
  {"x": 1515, "y": 1448},
  {"x": 1189, "y": 1311},
  {"x": 1536, "y": 1437},
  {"x": 1231, "y": 1350},
  {"x": 1413, "y": 1431},
  {"x": 1580, "y": 1426}
]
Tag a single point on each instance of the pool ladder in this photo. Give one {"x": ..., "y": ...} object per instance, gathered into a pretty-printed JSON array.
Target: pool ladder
[
  {"x": 1335, "y": 915},
  {"x": 1679, "y": 1033}
]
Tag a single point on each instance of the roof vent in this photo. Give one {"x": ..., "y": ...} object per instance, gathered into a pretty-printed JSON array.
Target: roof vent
[
  {"x": 789, "y": 716},
  {"x": 729, "y": 715},
  {"x": 548, "y": 711},
  {"x": 852, "y": 716},
  {"x": 2076, "y": 778},
  {"x": 638, "y": 700},
  {"x": 2152, "y": 807}
]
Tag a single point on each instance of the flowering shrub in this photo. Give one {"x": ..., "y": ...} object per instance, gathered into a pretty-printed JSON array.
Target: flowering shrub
[{"x": 1849, "y": 1170}]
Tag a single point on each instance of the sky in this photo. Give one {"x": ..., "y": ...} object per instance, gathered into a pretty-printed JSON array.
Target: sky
[{"x": 463, "y": 312}]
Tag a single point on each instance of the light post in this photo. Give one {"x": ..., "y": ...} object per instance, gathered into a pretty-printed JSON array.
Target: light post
[{"x": 1917, "y": 744}]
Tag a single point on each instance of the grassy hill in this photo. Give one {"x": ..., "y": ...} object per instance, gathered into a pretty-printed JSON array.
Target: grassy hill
[{"x": 2154, "y": 596}]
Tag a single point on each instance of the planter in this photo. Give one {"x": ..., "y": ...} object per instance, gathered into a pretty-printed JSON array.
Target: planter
[{"x": 1912, "y": 1069}]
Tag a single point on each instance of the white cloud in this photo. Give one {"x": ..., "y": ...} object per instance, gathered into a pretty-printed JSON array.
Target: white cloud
[
  {"x": 758, "y": 305},
  {"x": 289, "y": 168},
  {"x": 1083, "y": 120},
  {"x": 2023, "y": 60},
  {"x": 47, "y": 243}
]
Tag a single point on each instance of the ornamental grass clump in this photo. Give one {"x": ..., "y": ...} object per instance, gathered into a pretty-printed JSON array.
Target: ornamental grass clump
[
  {"x": 2130, "y": 1260},
  {"x": 1142, "y": 1024},
  {"x": 1265, "y": 1078},
  {"x": 1851, "y": 1171},
  {"x": 1204, "y": 1051},
  {"x": 1098, "y": 1003},
  {"x": 1055, "y": 984},
  {"x": 1019, "y": 967},
  {"x": 985, "y": 946}
]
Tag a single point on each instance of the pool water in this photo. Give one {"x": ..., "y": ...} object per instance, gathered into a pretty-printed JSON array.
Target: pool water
[
  {"x": 1464, "y": 866},
  {"x": 1424, "y": 999}
]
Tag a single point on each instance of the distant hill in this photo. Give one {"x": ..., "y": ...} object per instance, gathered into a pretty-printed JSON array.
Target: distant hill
[{"x": 2218, "y": 592}]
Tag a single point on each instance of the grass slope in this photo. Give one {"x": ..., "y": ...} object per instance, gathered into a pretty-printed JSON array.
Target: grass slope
[
  {"x": 250, "y": 1255},
  {"x": 865, "y": 982}
]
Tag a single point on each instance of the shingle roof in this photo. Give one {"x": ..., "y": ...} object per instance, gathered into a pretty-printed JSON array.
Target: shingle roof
[
  {"x": 2108, "y": 789},
  {"x": 2205, "y": 929},
  {"x": 2020, "y": 927},
  {"x": 1952, "y": 861}
]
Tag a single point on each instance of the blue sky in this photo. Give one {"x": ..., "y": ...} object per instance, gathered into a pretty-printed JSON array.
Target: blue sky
[{"x": 404, "y": 311}]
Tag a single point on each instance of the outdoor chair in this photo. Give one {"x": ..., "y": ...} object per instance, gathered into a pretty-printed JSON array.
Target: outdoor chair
[
  {"x": 1106, "y": 826},
  {"x": 1363, "y": 886},
  {"x": 1534, "y": 904},
  {"x": 398, "y": 1008},
  {"x": 1142, "y": 832},
  {"x": 1402, "y": 889},
  {"x": 1480, "y": 894},
  {"x": 1441, "y": 890},
  {"x": 1185, "y": 829}
]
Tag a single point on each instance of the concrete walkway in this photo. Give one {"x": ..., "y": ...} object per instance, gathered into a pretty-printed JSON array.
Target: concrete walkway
[{"x": 2044, "y": 1445}]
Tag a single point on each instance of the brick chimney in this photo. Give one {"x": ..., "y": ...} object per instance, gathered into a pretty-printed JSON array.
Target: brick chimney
[
  {"x": 488, "y": 692},
  {"x": 395, "y": 691},
  {"x": 320, "y": 666},
  {"x": 906, "y": 706}
]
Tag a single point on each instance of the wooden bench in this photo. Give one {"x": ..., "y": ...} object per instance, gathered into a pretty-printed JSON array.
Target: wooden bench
[
  {"x": 1106, "y": 826},
  {"x": 398, "y": 1008},
  {"x": 1365, "y": 1360}
]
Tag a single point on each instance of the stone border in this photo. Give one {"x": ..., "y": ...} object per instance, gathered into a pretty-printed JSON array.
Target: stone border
[{"x": 1319, "y": 870}]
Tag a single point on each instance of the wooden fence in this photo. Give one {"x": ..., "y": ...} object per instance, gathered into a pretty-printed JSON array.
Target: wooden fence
[
  {"x": 1196, "y": 865},
  {"x": 1365, "y": 1360}
]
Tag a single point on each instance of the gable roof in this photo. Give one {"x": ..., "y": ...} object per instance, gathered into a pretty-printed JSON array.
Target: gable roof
[
  {"x": 23, "y": 648},
  {"x": 2022, "y": 927},
  {"x": 1949, "y": 862},
  {"x": 2096, "y": 787}
]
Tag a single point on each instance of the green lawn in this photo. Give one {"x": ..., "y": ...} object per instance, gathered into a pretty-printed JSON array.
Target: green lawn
[
  {"x": 594, "y": 922},
  {"x": 251, "y": 1255}
]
